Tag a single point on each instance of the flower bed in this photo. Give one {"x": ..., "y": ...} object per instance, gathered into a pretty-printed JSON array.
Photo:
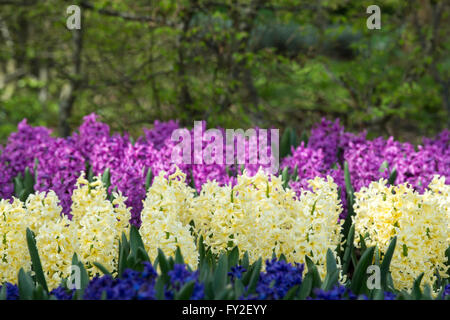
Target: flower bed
[{"x": 141, "y": 227}]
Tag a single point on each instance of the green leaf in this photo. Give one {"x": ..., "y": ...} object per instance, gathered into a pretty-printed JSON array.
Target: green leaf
[
  {"x": 390, "y": 282},
  {"x": 209, "y": 291},
  {"x": 377, "y": 256},
  {"x": 331, "y": 279},
  {"x": 239, "y": 288},
  {"x": 427, "y": 295},
  {"x": 142, "y": 256},
  {"x": 125, "y": 242},
  {"x": 247, "y": 275},
  {"x": 136, "y": 243},
  {"x": 148, "y": 179},
  {"x": 312, "y": 269},
  {"x": 75, "y": 259},
  {"x": 291, "y": 293},
  {"x": 384, "y": 269},
  {"x": 348, "y": 249},
  {"x": 348, "y": 183},
  {"x": 306, "y": 287},
  {"x": 285, "y": 177},
  {"x": 295, "y": 174},
  {"x": 163, "y": 263},
  {"x": 192, "y": 181},
  {"x": 233, "y": 257},
  {"x": 223, "y": 294},
  {"x": 405, "y": 250},
  {"x": 25, "y": 285},
  {"x": 3, "y": 293},
  {"x": 417, "y": 292},
  {"x": 78, "y": 295},
  {"x": 392, "y": 177},
  {"x": 447, "y": 254},
  {"x": 332, "y": 272},
  {"x": 18, "y": 186},
  {"x": 363, "y": 243},
  {"x": 359, "y": 276},
  {"x": 245, "y": 261},
  {"x": 220, "y": 274},
  {"x": 28, "y": 184},
  {"x": 131, "y": 262},
  {"x": 102, "y": 268},
  {"x": 354, "y": 259},
  {"x": 35, "y": 169},
  {"x": 331, "y": 262},
  {"x": 171, "y": 263},
  {"x": 35, "y": 260},
  {"x": 106, "y": 179},
  {"x": 159, "y": 289},
  {"x": 90, "y": 176},
  {"x": 255, "y": 276},
  {"x": 178, "y": 256},
  {"x": 229, "y": 173},
  {"x": 378, "y": 294},
  {"x": 350, "y": 201},
  {"x": 201, "y": 250},
  {"x": 123, "y": 254},
  {"x": 186, "y": 291},
  {"x": 39, "y": 293}
]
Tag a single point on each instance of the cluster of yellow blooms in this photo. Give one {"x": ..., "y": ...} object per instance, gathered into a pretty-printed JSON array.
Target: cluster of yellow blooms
[
  {"x": 420, "y": 222},
  {"x": 257, "y": 215},
  {"x": 13, "y": 246},
  {"x": 262, "y": 218},
  {"x": 93, "y": 233},
  {"x": 442, "y": 190},
  {"x": 98, "y": 222},
  {"x": 163, "y": 218}
]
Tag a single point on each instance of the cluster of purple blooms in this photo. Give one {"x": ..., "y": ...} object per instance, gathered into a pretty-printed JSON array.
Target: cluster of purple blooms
[
  {"x": 135, "y": 285},
  {"x": 59, "y": 161},
  {"x": 446, "y": 291},
  {"x": 277, "y": 280},
  {"x": 329, "y": 147},
  {"x": 179, "y": 276},
  {"x": 338, "y": 292},
  {"x": 12, "y": 291},
  {"x": 131, "y": 285},
  {"x": 273, "y": 284}
]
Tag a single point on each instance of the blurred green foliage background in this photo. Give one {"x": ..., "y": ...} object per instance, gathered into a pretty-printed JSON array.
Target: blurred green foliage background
[{"x": 234, "y": 63}]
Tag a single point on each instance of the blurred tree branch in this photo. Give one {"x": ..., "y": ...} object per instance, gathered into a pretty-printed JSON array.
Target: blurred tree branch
[
  {"x": 69, "y": 90},
  {"x": 19, "y": 3},
  {"x": 125, "y": 15}
]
